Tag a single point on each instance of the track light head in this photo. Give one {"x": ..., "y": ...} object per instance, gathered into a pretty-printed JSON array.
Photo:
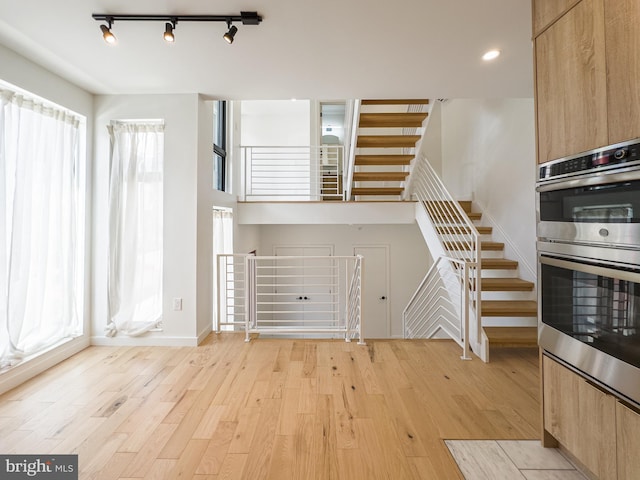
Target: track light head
[
  {"x": 168, "y": 32},
  {"x": 228, "y": 37},
  {"x": 108, "y": 37}
]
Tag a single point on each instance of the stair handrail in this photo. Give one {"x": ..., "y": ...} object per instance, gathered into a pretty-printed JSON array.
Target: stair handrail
[
  {"x": 456, "y": 233},
  {"x": 442, "y": 311},
  {"x": 351, "y": 146}
]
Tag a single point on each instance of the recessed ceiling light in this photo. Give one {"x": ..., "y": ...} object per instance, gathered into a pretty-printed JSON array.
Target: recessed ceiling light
[{"x": 490, "y": 55}]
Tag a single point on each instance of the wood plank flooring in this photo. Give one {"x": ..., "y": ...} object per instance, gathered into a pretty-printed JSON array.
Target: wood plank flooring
[{"x": 272, "y": 409}]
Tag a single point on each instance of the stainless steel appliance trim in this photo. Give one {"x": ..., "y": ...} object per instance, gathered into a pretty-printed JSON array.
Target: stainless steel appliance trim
[
  {"x": 626, "y": 173},
  {"x": 618, "y": 235},
  {"x": 615, "y": 257},
  {"x": 616, "y": 376},
  {"x": 593, "y": 269}
]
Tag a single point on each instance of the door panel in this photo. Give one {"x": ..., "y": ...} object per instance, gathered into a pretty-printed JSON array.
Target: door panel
[{"x": 375, "y": 290}]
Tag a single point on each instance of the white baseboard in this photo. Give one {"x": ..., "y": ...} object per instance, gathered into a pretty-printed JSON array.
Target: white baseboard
[
  {"x": 151, "y": 341},
  {"x": 38, "y": 364},
  {"x": 204, "y": 333}
]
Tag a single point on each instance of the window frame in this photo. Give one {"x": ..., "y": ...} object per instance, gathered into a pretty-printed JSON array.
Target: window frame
[{"x": 220, "y": 149}]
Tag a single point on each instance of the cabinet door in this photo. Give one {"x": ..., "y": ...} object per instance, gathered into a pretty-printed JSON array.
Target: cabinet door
[
  {"x": 581, "y": 417},
  {"x": 546, "y": 12},
  {"x": 623, "y": 68},
  {"x": 628, "y": 442},
  {"x": 571, "y": 83}
]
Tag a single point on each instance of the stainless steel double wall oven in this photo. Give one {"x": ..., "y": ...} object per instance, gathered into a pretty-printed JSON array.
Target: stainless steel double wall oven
[{"x": 589, "y": 264}]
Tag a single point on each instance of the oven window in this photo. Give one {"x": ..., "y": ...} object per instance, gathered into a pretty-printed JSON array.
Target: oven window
[
  {"x": 598, "y": 310},
  {"x": 610, "y": 203}
]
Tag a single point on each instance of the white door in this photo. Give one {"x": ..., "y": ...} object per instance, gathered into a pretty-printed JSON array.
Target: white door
[{"x": 375, "y": 290}]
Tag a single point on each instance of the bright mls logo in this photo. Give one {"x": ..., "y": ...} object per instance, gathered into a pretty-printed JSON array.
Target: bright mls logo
[{"x": 58, "y": 467}]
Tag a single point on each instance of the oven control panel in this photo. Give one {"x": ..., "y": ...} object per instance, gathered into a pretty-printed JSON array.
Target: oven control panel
[{"x": 595, "y": 160}]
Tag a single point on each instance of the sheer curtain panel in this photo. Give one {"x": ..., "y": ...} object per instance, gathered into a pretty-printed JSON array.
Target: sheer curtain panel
[
  {"x": 135, "y": 227},
  {"x": 41, "y": 226}
]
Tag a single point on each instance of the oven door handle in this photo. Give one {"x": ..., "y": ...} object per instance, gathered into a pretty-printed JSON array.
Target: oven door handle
[
  {"x": 591, "y": 180},
  {"x": 593, "y": 269}
]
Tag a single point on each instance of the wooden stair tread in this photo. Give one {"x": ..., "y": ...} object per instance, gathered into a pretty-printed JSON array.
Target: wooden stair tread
[
  {"x": 377, "y": 190},
  {"x": 499, "y": 264},
  {"x": 509, "y": 308},
  {"x": 466, "y": 205},
  {"x": 423, "y": 101},
  {"x": 512, "y": 336},
  {"x": 462, "y": 229},
  {"x": 387, "y": 141},
  {"x": 380, "y": 176},
  {"x": 383, "y": 159},
  {"x": 390, "y": 120},
  {"x": 484, "y": 245},
  {"x": 506, "y": 284}
]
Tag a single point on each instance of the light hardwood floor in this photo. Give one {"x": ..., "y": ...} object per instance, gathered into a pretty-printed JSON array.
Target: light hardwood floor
[{"x": 272, "y": 409}]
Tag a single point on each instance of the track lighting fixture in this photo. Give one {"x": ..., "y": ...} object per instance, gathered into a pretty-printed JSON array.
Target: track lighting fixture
[
  {"x": 228, "y": 37},
  {"x": 109, "y": 37},
  {"x": 168, "y": 32},
  {"x": 246, "y": 18}
]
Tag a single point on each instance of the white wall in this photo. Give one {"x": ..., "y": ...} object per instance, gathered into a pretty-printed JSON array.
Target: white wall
[
  {"x": 488, "y": 151},
  {"x": 409, "y": 257},
  {"x": 275, "y": 123},
  {"x": 188, "y": 198},
  {"x": 26, "y": 75}
]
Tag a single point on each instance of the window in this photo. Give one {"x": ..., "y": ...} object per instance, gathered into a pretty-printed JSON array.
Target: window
[
  {"x": 135, "y": 227},
  {"x": 42, "y": 210},
  {"x": 220, "y": 145}
]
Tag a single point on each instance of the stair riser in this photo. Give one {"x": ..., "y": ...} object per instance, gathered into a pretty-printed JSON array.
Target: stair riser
[
  {"x": 492, "y": 254},
  {"x": 396, "y": 131},
  {"x": 509, "y": 322},
  {"x": 498, "y": 273},
  {"x": 510, "y": 295}
]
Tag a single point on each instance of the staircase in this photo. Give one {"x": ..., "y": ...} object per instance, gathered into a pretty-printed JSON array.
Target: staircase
[
  {"x": 388, "y": 131},
  {"x": 504, "y": 296}
]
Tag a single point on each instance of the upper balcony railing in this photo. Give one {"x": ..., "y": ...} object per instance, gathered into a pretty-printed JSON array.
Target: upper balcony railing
[{"x": 279, "y": 173}]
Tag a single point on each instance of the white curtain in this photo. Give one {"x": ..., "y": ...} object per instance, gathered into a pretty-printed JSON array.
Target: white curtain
[
  {"x": 41, "y": 229},
  {"x": 135, "y": 227},
  {"x": 222, "y": 243}
]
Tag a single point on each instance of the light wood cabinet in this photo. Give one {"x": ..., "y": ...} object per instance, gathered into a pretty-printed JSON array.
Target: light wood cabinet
[
  {"x": 581, "y": 417},
  {"x": 571, "y": 88},
  {"x": 622, "y": 37},
  {"x": 628, "y": 442},
  {"x": 545, "y": 12}
]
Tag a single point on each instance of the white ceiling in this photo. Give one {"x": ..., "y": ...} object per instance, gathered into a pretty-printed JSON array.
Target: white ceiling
[{"x": 303, "y": 49}]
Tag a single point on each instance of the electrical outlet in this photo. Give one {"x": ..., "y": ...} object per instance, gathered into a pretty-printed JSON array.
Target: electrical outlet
[{"x": 177, "y": 304}]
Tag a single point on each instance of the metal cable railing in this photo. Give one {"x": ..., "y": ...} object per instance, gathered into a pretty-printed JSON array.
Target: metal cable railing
[
  {"x": 291, "y": 294},
  {"x": 454, "y": 236},
  {"x": 284, "y": 173},
  {"x": 441, "y": 302},
  {"x": 354, "y": 303},
  {"x": 231, "y": 292}
]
